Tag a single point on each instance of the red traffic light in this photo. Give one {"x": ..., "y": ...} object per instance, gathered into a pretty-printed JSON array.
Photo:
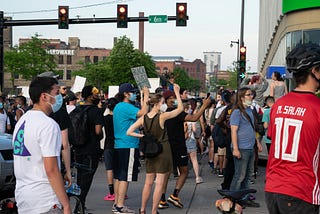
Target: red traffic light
[
  {"x": 63, "y": 17},
  {"x": 122, "y": 9},
  {"x": 243, "y": 49},
  {"x": 181, "y": 14},
  {"x": 181, "y": 8},
  {"x": 122, "y": 16}
]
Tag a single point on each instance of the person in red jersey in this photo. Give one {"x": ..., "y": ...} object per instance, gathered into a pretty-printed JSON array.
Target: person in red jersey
[{"x": 292, "y": 176}]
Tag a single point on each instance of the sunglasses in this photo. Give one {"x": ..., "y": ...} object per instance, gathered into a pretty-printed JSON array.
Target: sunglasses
[
  {"x": 64, "y": 88},
  {"x": 249, "y": 95}
]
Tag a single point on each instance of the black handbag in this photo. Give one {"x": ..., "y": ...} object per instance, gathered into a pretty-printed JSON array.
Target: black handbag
[{"x": 149, "y": 144}]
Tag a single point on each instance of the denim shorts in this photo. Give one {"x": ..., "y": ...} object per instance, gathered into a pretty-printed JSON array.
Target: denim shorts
[{"x": 191, "y": 145}]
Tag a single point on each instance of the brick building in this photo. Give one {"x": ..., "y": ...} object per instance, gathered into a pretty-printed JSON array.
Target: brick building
[
  {"x": 195, "y": 69},
  {"x": 67, "y": 55}
]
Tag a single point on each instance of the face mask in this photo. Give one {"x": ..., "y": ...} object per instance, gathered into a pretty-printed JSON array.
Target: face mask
[
  {"x": 247, "y": 102},
  {"x": 18, "y": 106},
  {"x": 190, "y": 111},
  {"x": 163, "y": 107},
  {"x": 133, "y": 97},
  {"x": 1, "y": 105},
  {"x": 57, "y": 105}
]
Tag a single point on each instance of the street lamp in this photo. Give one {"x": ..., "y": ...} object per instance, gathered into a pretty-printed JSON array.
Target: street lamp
[{"x": 238, "y": 52}]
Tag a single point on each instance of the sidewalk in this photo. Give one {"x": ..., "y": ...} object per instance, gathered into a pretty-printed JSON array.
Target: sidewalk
[{"x": 195, "y": 198}]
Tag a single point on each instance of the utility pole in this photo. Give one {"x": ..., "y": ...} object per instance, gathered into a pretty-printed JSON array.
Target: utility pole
[
  {"x": 1, "y": 52},
  {"x": 241, "y": 39}
]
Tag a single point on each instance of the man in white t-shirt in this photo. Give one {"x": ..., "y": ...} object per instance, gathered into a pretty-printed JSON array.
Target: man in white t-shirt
[{"x": 37, "y": 147}]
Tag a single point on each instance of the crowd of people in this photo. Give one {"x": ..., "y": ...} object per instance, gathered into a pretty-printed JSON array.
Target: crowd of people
[{"x": 225, "y": 126}]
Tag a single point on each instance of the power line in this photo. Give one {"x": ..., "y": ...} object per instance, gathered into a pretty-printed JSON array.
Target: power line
[{"x": 70, "y": 8}]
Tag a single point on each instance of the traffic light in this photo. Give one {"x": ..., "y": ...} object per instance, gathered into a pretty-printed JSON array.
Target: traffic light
[
  {"x": 242, "y": 62},
  {"x": 181, "y": 14},
  {"x": 63, "y": 13},
  {"x": 122, "y": 16}
]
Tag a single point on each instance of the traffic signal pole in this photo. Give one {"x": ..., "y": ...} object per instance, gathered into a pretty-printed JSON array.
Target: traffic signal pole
[
  {"x": 1, "y": 52},
  {"x": 10, "y": 23}
]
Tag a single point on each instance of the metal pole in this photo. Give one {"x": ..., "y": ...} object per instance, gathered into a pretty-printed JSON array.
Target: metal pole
[
  {"x": 1, "y": 51},
  {"x": 242, "y": 24}
]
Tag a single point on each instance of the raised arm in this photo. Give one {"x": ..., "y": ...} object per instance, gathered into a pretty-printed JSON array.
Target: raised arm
[
  {"x": 144, "y": 106},
  {"x": 194, "y": 117},
  {"x": 135, "y": 126},
  {"x": 171, "y": 114}
]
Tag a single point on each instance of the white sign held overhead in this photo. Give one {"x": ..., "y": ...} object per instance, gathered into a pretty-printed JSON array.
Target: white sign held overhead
[
  {"x": 78, "y": 85},
  {"x": 140, "y": 76},
  {"x": 155, "y": 83},
  {"x": 112, "y": 90}
]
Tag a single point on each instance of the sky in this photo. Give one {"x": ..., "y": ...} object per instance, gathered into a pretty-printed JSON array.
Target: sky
[{"x": 212, "y": 25}]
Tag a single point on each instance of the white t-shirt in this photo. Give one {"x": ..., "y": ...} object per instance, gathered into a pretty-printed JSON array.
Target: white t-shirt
[
  {"x": 35, "y": 136},
  {"x": 4, "y": 121}
]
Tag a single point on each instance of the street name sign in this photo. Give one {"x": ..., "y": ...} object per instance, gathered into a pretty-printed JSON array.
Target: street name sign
[{"x": 158, "y": 19}]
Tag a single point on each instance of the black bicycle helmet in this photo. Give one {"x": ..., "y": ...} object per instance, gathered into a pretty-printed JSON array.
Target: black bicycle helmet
[{"x": 303, "y": 57}]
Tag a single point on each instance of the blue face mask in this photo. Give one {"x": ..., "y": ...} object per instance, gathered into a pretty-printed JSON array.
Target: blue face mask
[
  {"x": 1, "y": 105},
  {"x": 57, "y": 105},
  {"x": 132, "y": 97}
]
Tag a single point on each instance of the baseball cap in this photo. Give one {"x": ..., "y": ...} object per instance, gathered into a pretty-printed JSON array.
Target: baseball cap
[
  {"x": 126, "y": 87},
  {"x": 48, "y": 74},
  {"x": 168, "y": 93}
]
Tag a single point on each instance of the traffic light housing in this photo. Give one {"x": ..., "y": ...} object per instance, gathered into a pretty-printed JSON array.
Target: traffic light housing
[
  {"x": 63, "y": 14},
  {"x": 242, "y": 61},
  {"x": 122, "y": 16},
  {"x": 181, "y": 14}
]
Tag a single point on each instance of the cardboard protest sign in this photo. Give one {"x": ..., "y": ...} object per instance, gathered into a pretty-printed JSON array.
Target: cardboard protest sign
[{"x": 140, "y": 76}]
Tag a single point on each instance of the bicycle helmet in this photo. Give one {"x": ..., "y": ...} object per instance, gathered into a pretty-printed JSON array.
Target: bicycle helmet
[{"x": 303, "y": 57}]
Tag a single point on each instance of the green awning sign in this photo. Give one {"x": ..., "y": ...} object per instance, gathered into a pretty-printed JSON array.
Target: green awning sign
[{"x": 292, "y": 5}]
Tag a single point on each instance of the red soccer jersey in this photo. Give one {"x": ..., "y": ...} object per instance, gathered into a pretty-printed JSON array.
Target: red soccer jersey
[{"x": 293, "y": 163}]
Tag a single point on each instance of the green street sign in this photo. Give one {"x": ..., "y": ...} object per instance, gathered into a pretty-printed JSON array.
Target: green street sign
[{"x": 158, "y": 19}]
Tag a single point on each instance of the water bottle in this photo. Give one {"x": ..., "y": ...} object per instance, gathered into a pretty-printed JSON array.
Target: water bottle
[{"x": 74, "y": 188}]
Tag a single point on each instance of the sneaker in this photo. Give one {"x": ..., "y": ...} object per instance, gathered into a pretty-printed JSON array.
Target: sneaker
[
  {"x": 114, "y": 209},
  {"x": 175, "y": 201},
  {"x": 199, "y": 180},
  {"x": 109, "y": 197},
  {"x": 124, "y": 209},
  {"x": 220, "y": 174},
  {"x": 163, "y": 205}
]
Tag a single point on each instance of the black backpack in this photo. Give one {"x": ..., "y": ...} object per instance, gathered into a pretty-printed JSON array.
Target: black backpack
[{"x": 79, "y": 130}]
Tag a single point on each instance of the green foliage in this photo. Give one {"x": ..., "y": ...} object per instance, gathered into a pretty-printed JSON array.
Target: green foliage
[
  {"x": 116, "y": 69},
  {"x": 184, "y": 81},
  {"x": 29, "y": 59}
]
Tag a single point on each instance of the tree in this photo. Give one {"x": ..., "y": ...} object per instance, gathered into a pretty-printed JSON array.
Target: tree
[
  {"x": 29, "y": 59},
  {"x": 116, "y": 69},
  {"x": 184, "y": 81}
]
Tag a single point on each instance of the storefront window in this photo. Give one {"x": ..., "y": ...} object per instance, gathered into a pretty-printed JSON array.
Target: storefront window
[
  {"x": 296, "y": 38},
  {"x": 311, "y": 36}
]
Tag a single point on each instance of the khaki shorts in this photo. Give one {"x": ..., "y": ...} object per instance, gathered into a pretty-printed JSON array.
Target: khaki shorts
[{"x": 222, "y": 151}]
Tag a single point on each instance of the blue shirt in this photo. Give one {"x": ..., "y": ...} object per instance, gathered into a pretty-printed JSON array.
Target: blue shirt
[
  {"x": 124, "y": 115},
  {"x": 246, "y": 134},
  {"x": 266, "y": 118}
]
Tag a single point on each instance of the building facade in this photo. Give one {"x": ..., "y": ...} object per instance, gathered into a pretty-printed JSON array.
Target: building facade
[
  {"x": 286, "y": 23},
  {"x": 212, "y": 60},
  {"x": 195, "y": 69}
]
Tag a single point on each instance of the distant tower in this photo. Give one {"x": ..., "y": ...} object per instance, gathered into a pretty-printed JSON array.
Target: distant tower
[{"x": 212, "y": 59}]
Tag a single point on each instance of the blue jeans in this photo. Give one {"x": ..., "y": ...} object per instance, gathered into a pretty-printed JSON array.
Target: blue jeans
[{"x": 243, "y": 169}]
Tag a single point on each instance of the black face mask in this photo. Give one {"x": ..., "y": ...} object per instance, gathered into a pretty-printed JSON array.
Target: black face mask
[{"x": 95, "y": 101}]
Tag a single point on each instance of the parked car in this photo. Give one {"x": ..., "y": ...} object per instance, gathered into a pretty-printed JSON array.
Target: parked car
[{"x": 7, "y": 179}]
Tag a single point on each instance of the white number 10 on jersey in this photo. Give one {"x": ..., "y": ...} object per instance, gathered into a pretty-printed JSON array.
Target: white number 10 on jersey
[{"x": 284, "y": 124}]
